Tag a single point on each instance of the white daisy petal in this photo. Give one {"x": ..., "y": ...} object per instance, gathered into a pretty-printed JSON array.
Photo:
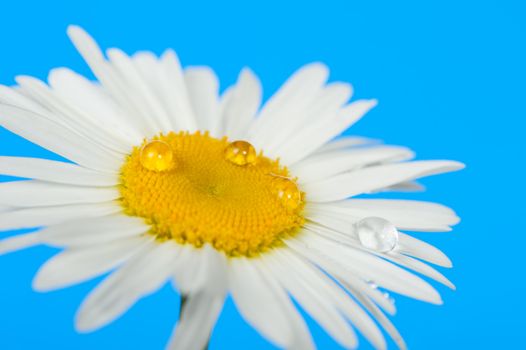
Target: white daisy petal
[
  {"x": 93, "y": 231},
  {"x": 152, "y": 71},
  {"x": 369, "y": 267},
  {"x": 408, "y": 186},
  {"x": 143, "y": 274},
  {"x": 334, "y": 293},
  {"x": 292, "y": 97},
  {"x": 204, "y": 300},
  {"x": 58, "y": 139},
  {"x": 198, "y": 317},
  {"x": 45, "y": 216},
  {"x": 111, "y": 79},
  {"x": 406, "y": 215},
  {"x": 330, "y": 164},
  {"x": 374, "y": 294},
  {"x": 302, "y": 338},
  {"x": 419, "y": 249},
  {"x": 199, "y": 269},
  {"x": 69, "y": 116},
  {"x": 175, "y": 92},
  {"x": 336, "y": 222},
  {"x": 77, "y": 265},
  {"x": 18, "y": 242},
  {"x": 368, "y": 179},
  {"x": 418, "y": 266},
  {"x": 187, "y": 266},
  {"x": 35, "y": 193},
  {"x": 215, "y": 270},
  {"x": 146, "y": 101},
  {"x": 351, "y": 310},
  {"x": 392, "y": 208},
  {"x": 345, "y": 142},
  {"x": 88, "y": 97},
  {"x": 358, "y": 284},
  {"x": 326, "y": 103},
  {"x": 203, "y": 91},
  {"x": 316, "y": 134},
  {"x": 240, "y": 105},
  {"x": 258, "y": 303},
  {"x": 54, "y": 171},
  {"x": 383, "y": 321},
  {"x": 149, "y": 66},
  {"x": 344, "y": 239},
  {"x": 312, "y": 301},
  {"x": 14, "y": 97}
]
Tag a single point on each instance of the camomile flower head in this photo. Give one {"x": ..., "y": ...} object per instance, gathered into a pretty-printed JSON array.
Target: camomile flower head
[{"x": 167, "y": 180}]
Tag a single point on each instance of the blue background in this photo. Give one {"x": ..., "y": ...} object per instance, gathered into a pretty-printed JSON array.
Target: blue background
[{"x": 449, "y": 76}]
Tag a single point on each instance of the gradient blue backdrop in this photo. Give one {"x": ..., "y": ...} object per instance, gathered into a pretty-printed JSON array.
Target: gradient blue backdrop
[{"x": 450, "y": 80}]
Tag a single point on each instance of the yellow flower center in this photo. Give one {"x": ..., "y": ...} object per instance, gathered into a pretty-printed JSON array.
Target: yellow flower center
[{"x": 197, "y": 189}]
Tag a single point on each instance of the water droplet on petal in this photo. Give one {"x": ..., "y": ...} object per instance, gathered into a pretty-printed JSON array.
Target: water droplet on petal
[
  {"x": 377, "y": 234},
  {"x": 157, "y": 156},
  {"x": 287, "y": 191},
  {"x": 388, "y": 298},
  {"x": 241, "y": 153}
]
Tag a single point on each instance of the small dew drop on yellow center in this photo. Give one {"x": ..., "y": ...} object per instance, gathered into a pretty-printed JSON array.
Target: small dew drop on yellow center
[
  {"x": 241, "y": 153},
  {"x": 287, "y": 191},
  {"x": 157, "y": 156}
]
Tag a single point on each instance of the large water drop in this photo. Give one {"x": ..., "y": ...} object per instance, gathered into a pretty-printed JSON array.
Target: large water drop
[{"x": 377, "y": 234}]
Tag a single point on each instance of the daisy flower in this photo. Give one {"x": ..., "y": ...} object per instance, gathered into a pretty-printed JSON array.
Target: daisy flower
[{"x": 166, "y": 179}]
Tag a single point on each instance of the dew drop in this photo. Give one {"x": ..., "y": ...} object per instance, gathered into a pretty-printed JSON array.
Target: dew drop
[
  {"x": 377, "y": 234},
  {"x": 388, "y": 298},
  {"x": 287, "y": 191},
  {"x": 241, "y": 153},
  {"x": 157, "y": 156}
]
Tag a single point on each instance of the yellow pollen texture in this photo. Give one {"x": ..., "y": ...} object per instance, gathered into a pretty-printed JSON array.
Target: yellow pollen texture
[{"x": 206, "y": 198}]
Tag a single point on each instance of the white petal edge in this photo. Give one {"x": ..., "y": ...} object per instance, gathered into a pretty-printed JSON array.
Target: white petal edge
[
  {"x": 110, "y": 79},
  {"x": 261, "y": 302},
  {"x": 405, "y": 215},
  {"x": 312, "y": 300},
  {"x": 45, "y": 216},
  {"x": 329, "y": 164},
  {"x": 36, "y": 193},
  {"x": 369, "y": 267},
  {"x": 77, "y": 265},
  {"x": 414, "y": 247},
  {"x": 141, "y": 275},
  {"x": 18, "y": 242},
  {"x": 310, "y": 271},
  {"x": 90, "y": 98},
  {"x": 93, "y": 231},
  {"x": 203, "y": 91},
  {"x": 368, "y": 179},
  {"x": 58, "y": 139},
  {"x": 298, "y": 90},
  {"x": 316, "y": 134},
  {"x": 198, "y": 317},
  {"x": 204, "y": 300},
  {"x": 240, "y": 105},
  {"x": 55, "y": 171}
]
